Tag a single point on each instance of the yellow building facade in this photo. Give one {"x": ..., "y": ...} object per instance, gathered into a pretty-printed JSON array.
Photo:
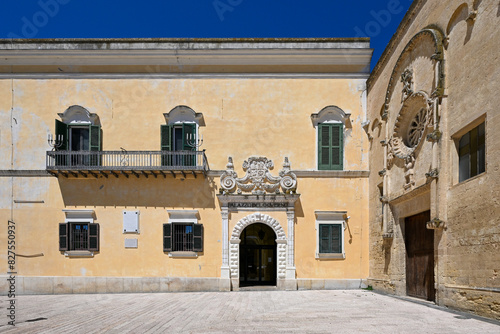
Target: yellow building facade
[{"x": 184, "y": 165}]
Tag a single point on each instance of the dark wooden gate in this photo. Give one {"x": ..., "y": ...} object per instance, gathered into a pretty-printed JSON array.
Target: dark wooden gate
[{"x": 419, "y": 243}]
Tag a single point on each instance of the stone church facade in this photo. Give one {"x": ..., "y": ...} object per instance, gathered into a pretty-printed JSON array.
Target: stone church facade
[
  {"x": 139, "y": 165},
  {"x": 434, "y": 158}
]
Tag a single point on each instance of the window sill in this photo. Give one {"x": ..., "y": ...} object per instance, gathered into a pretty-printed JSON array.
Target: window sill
[
  {"x": 316, "y": 173},
  {"x": 330, "y": 256},
  {"x": 79, "y": 254},
  {"x": 470, "y": 179},
  {"x": 178, "y": 254}
]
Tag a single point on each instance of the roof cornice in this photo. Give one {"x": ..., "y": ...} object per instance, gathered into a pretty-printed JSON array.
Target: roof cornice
[{"x": 324, "y": 54}]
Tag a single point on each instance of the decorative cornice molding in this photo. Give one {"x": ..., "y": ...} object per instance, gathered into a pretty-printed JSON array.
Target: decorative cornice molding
[
  {"x": 402, "y": 196},
  {"x": 147, "y": 75},
  {"x": 25, "y": 173},
  {"x": 300, "y": 173},
  {"x": 187, "y": 43},
  {"x": 185, "y": 52},
  {"x": 332, "y": 173}
]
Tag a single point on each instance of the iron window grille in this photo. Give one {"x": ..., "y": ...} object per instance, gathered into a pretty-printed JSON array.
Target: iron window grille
[
  {"x": 182, "y": 237},
  {"x": 78, "y": 236}
]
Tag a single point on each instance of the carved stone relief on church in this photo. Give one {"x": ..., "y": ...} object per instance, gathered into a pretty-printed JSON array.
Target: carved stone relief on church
[
  {"x": 414, "y": 117},
  {"x": 407, "y": 79},
  {"x": 413, "y": 113}
]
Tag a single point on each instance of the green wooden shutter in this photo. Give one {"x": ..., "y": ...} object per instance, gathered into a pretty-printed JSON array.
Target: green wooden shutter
[
  {"x": 95, "y": 145},
  {"x": 95, "y": 138},
  {"x": 198, "y": 237},
  {"x": 336, "y": 241},
  {"x": 324, "y": 238},
  {"x": 166, "y": 144},
  {"x": 330, "y": 147},
  {"x": 337, "y": 147},
  {"x": 323, "y": 147},
  {"x": 330, "y": 238},
  {"x": 62, "y": 130},
  {"x": 93, "y": 237},
  {"x": 63, "y": 236},
  {"x": 166, "y": 137},
  {"x": 167, "y": 237}
]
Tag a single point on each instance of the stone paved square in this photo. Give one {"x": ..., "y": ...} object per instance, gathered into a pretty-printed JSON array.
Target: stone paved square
[{"x": 316, "y": 311}]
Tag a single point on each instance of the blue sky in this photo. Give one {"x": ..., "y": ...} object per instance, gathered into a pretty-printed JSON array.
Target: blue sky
[{"x": 377, "y": 19}]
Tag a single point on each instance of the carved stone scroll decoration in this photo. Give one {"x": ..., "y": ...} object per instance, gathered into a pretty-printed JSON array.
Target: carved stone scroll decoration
[
  {"x": 407, "y": 79},
  {"x": 258, "y": 180},
  {"x": 390, "y": 154}
]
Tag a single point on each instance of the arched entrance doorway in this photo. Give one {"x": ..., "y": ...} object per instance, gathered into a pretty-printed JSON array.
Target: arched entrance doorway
[{"x": 258, "y": 255}]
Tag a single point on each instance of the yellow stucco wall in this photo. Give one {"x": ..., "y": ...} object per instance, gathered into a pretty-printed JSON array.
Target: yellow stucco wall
[{"x": 243, "y": 117}]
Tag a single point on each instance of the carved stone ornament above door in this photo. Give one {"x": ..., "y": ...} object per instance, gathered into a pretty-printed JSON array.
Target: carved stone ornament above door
[{"x": 258, "y": 179}]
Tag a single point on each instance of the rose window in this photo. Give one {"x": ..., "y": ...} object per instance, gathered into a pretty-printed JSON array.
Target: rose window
[
  {"x": 416, "y": 128},
  {"x": 410, "y": 125}
]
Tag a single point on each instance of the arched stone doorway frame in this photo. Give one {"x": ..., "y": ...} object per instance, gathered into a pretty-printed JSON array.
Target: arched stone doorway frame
[{"x": 234, "y": 249}]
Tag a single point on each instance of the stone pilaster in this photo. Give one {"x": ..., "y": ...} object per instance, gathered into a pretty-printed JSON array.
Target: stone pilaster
[
  {"x": 291, "y": 282},
  {"x": 225, "y": 283}
]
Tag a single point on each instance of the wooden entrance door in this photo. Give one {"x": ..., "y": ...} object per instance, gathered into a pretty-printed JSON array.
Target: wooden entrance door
[{"x": 419, "y": 242}]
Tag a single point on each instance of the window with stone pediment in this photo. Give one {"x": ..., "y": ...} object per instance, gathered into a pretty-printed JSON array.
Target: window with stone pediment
[
  {"x": 77, "y": 131},
  {"x": 330, "y": 146},
  {"x": 330, "y": 123},
  {"x": 181, "y": 135}
]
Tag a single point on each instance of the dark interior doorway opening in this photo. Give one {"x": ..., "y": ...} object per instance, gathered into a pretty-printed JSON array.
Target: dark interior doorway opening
[{"x": 258, "y": 256}]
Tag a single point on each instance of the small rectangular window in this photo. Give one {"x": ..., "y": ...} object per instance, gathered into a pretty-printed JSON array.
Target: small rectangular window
[
  {"x": 330, "y": 238},
  {"x": 330, "y": 227},
  {"x": 471, "y": 153},
  {"x": 78, "y": 236},
  {"x": 182, "y": 237}
]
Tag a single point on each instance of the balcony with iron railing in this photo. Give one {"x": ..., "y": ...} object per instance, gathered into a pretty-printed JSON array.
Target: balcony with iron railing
[{"x": 126, "y": 163}]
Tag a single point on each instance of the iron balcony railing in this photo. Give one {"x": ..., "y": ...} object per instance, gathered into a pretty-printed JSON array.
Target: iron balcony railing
[{"x": 127, "y": 161}]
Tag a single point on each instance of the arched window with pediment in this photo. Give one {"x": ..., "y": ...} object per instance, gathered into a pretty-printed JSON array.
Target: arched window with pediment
[
  {"x": 181, "y": 135},
  {"x": 330, "y": 123},
  {"x": 78, "y": 131}
]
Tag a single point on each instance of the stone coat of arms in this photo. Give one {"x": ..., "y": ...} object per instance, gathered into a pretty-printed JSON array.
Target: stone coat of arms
[{"x": 258, "y": 179}]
